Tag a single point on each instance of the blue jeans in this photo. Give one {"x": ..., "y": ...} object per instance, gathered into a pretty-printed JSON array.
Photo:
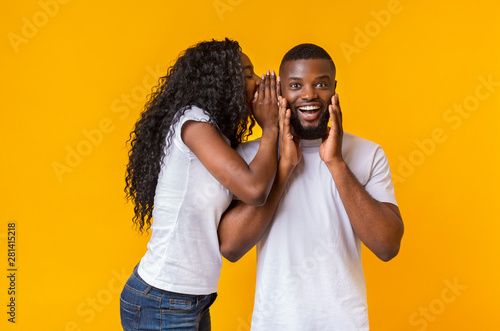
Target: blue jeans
[{"x": 143, "y": 307}]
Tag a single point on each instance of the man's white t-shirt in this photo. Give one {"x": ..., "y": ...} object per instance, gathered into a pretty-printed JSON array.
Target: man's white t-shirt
[
  {"x": 309, "y": 272},
  {"x": 183, "y": 253}
]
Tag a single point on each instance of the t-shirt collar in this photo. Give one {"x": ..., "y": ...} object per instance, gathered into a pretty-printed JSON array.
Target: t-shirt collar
[{"x": 311, "y": 142}]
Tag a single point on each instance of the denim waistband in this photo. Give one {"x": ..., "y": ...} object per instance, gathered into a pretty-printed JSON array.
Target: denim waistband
[{"x": 142, "y": 286}]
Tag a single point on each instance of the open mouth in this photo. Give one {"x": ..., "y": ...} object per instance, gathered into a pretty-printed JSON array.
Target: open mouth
[{"x": 309, "y": 113}]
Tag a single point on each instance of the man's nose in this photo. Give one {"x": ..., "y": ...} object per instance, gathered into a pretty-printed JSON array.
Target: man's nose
[{"x": 308, "y": 93}]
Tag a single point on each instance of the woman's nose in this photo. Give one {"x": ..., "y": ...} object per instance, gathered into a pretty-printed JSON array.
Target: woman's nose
[{"x": 257, "y": 79}]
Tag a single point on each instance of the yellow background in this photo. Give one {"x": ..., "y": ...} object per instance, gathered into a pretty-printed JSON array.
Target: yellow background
[{"x": 74, "y": 78}]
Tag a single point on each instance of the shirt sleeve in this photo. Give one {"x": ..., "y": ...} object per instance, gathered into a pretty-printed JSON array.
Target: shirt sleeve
[
  {"x": 379, "y": 185},
  {"x": 191, "y": 114}
]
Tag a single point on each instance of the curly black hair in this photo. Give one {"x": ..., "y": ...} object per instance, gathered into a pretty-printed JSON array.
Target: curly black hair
[{"x": 208, "y": 75}]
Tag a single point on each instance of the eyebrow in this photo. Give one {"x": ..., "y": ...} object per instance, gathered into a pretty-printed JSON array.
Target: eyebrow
[{"x": 248, "y": 67}]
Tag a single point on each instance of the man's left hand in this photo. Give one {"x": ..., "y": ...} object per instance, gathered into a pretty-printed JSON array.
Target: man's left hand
[{"x": 330, "y": 150}]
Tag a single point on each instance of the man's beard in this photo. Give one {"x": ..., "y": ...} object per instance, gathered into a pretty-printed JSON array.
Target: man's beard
[{"x": 310, "y": 133}]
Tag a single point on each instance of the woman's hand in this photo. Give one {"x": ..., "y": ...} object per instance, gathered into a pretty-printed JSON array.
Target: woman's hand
[{"x": 265, "y": 102}]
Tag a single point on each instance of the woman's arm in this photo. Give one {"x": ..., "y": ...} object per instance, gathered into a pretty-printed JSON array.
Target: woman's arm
[
  {"x": 252, "y": 182},
  {"x": 242, "y": 225}
]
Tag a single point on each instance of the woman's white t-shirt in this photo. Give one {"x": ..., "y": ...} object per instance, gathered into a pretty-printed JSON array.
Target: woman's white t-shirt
[{"x": 183, "y": 253}]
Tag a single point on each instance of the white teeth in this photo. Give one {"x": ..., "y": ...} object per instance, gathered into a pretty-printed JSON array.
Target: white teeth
[{"x": 306, "y": 108}]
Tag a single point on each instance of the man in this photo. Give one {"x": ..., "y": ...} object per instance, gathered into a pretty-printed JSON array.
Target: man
[{"x": 332, "y": 191}]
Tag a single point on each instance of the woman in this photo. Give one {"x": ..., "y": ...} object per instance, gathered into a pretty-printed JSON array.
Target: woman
[{"x": 183, "y": 172}]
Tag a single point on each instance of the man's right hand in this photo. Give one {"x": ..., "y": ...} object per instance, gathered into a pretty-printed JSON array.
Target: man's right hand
[{"x": 290, "y": 154}]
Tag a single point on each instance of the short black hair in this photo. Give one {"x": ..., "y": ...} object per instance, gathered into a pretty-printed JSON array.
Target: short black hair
[{"x": 306, "y": 52}]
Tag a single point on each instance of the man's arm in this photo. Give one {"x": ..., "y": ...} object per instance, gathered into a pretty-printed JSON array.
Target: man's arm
[
  {"x": 378, "y": 225},
  {"x": 242, "y": 226}
]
